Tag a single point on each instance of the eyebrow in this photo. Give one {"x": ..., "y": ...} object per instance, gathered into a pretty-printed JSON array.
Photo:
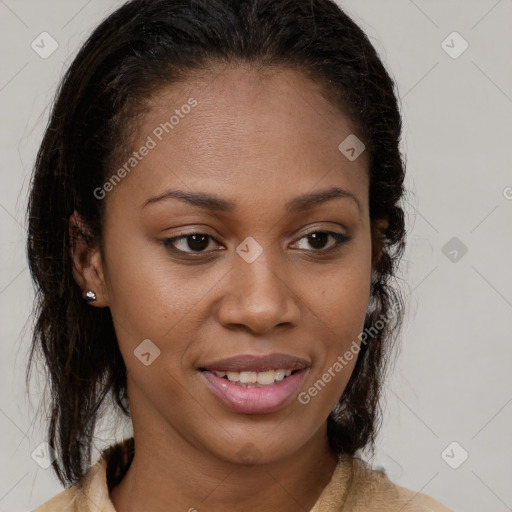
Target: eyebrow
[{"x": 216, "y": 204}]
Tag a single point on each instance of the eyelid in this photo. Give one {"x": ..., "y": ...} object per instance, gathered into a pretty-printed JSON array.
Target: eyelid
[
  {"x": 340, "y": 240},
  {"x": 169, "y": 241}
]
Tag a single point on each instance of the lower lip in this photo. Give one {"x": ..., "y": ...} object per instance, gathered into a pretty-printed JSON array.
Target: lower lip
[{"x": 255, "y": 400}]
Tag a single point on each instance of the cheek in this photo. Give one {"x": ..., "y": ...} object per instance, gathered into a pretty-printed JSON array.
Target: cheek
[
  {"x": 149, "y": 296},
  {"x": 339, "y": 297},
  {"x": 339, "y": 302}
]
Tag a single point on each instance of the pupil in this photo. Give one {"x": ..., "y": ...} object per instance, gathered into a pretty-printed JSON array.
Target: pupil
[
  {"x": 318, "y": 237},
  {"x": 195, "y": 240},
  {"x": 200, "y": 242}
]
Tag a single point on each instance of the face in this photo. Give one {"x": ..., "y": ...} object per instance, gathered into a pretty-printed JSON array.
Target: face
[{"x": 214, "y": 256}]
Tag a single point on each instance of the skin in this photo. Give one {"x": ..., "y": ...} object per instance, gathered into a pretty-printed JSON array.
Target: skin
[{"x": 259, "y": 140}]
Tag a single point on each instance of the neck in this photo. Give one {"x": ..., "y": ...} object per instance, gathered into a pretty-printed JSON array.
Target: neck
[{"x": 168, "y": 474}]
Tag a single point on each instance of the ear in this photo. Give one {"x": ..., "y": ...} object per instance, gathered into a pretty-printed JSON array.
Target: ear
[
  {"x": 379, "y": 227},
  {"x": 86, "y": 260}
]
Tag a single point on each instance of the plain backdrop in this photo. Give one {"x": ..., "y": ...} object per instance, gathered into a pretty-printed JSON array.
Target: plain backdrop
[{"x": 448, "y": 403}]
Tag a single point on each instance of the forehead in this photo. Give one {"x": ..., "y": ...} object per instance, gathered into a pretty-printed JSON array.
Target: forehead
[
  {"x": 249, "y": 131},
  {"x": 244, "y": 100}
]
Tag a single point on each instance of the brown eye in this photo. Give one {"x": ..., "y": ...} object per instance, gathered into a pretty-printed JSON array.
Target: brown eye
[
  {"x": 319, "y": 239},
  {"x": 190, "y": 242},
  {"x": 198, "y": 243}
]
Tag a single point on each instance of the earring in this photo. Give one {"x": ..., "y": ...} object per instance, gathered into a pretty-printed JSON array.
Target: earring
[{"x": 89, "y": 296}]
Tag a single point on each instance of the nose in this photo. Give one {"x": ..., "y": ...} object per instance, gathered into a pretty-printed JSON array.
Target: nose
[{"x": 258, "y": 298}]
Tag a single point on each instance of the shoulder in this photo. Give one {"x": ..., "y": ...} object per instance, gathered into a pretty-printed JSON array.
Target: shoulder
[
  {"x": 372, "y": 490},
  {"x": 66, "y": 500},
  {"x": 89, "y": 494},
  {"x": 92, "y": 492}
]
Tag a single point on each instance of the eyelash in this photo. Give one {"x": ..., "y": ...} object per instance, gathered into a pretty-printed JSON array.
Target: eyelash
[{"x": 339, "y": 238}]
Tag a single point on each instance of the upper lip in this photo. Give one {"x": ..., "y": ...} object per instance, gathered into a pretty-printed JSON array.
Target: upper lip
[{"x": 248, "y": 363}]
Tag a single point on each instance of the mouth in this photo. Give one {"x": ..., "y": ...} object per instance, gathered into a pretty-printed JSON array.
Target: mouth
[
  {"x": 256, "y": 379},
  {"x": 255, "y": 385},
  {"x": 249, "y": 363}
]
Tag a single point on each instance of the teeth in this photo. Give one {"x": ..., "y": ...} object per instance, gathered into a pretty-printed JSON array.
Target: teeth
[
  {"x": 259, "y": 378},
  {"x": 248, "y": 377},
  {"x": 266, "y": 377}
]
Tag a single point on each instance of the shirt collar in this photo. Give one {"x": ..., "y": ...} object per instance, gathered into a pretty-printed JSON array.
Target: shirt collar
[{"x": 93, "y": 495}]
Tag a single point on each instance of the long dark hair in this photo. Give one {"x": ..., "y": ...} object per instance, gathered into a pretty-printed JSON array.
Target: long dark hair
[{"x": 143, "y": 46}]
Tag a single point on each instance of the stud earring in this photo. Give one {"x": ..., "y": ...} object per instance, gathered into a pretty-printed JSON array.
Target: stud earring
[{"x": 89, "y": 296}]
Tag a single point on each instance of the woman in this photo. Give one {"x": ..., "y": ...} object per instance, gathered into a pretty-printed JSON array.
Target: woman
[{"x": 214, "y": 230}]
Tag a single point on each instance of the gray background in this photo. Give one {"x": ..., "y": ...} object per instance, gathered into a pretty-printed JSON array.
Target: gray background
[{"x": 452, "y": 381}]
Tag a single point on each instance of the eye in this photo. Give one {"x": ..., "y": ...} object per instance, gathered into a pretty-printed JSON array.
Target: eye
[
  {"x": 195, "y": 241},
  {"x": 318, "y": 239}
]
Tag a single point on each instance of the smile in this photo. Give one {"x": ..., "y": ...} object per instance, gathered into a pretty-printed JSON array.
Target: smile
[
  {"x": 261, "y": 393},
  {"x": 255, "y": 379}
]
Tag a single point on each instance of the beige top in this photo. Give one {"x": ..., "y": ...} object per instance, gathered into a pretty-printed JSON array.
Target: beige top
[{"x": 354, "y": 487}]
